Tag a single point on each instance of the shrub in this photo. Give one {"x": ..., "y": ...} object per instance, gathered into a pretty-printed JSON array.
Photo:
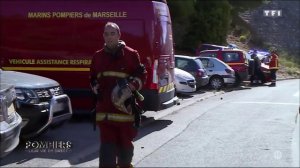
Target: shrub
[{"x": 243, "y": 39}]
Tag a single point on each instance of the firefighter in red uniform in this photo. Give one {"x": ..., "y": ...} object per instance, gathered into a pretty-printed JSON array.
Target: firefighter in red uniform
[
  {"x": 273, "y": 66},
  {"x": 116, "y": 73}
]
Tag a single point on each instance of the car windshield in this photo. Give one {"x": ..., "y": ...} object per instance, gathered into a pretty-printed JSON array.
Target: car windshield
[{"x": 231, "y": 57}]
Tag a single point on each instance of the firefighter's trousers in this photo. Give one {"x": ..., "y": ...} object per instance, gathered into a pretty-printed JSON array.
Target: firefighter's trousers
[
  {"x": 116, "y": 143},
  {"x": 273, "y": 76}
]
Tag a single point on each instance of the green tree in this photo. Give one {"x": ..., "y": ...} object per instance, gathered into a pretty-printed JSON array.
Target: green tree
[
  {"x": 181, "y": 11},
  {"x": 241, "y": 6},
  {"x": 209, "y": 24}
]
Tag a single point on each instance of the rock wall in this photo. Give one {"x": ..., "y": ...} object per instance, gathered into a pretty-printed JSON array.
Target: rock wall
[{"x": 282, "y": 31}]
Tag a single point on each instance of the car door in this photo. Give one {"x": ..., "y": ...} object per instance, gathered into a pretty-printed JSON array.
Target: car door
[{"x": 208, "y": 65}]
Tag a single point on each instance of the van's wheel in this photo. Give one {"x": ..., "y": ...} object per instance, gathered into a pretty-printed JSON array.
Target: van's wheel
[{"x": 216, "y": 82}]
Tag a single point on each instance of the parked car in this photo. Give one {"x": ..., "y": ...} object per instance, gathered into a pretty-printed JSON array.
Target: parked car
[
  {"x": 205, "y": 46},
  {"x": 232, "y": 46},
  {"x": 184, "y": 81},
  {"x": 219, "y": 73},
  {"x": 261, "y": 54},
  {"x": 40, "y": 102},
  {"x": 10, "y": 120},
  {"x": 193, "y": 66},
  {"x": 235, "y": 58}
]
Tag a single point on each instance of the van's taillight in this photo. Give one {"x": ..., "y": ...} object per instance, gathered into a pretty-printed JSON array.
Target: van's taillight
[
  {"x": 200, "y": 73},
  {"x": 154, "y": 85}
]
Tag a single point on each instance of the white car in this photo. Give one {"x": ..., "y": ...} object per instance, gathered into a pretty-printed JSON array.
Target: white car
[
  {"x": 184, "y": 81},
  {"x": 219, "y": 72}
]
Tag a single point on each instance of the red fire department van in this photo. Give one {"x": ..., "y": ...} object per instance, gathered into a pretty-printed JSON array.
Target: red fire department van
[{"x": 57, "y": 39}]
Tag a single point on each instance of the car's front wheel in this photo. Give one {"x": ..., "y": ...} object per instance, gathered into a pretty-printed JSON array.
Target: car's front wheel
[{"x": 216, "y": 82}]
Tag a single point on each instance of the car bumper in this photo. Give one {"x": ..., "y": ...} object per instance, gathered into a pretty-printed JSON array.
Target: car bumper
[
  {"x": 9, "y": 135},
  {"x": 243, "y": 75},
  {"x": 38, "y": 117},
  {"x": 185, "y": 86},
  {"x": 229, "y": 80},
  {"x": 202, "y": 81},
  {"x": 185, "y": 89}
]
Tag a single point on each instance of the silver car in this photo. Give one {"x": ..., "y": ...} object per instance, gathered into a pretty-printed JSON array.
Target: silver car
[
  {"x": 193, "y": 66},
  {"x": 40, "y": 102},
  {"x": 219, "y": 73},
  {"x": 10, "y": 121}
]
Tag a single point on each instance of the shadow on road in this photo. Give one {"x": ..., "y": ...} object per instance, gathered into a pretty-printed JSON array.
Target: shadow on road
[
  {"x": 244, "y": 86},
  {"x": 52, "y": 147},
  {"x": 55, "y": 145},
  {"x": 192, "y": 94},
  {"x": 157, "y": 125}
]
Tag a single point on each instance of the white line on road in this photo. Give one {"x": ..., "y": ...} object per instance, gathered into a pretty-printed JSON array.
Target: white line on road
[{"x": 276, "y": 103}]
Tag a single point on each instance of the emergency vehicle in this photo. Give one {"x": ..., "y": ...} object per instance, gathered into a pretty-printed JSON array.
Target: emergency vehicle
[
  {"x": 57, "y": 39},
  {"x": 235, "y": 58}
]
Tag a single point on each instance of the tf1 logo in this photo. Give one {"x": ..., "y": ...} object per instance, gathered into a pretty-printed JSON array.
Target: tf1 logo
[{"x": 273, "y": 13}]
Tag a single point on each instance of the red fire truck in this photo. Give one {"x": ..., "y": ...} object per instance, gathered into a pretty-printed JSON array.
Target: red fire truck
[{"x": 57, "y": 39}]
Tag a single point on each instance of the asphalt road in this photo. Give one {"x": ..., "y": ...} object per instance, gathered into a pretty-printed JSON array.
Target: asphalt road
[{"x": 247, "y": 127}]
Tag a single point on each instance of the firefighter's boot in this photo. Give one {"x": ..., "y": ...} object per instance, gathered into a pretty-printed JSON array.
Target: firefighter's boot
[
  {"x": 107, "y": 155},
  {"x": 125, "y": 158}
]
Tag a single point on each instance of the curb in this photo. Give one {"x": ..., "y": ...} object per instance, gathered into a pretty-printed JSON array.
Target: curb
[{"x": 153, "y": 116}]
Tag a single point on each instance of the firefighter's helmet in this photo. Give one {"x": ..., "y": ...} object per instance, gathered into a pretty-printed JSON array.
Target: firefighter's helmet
[{"x": 121, "y": 98}]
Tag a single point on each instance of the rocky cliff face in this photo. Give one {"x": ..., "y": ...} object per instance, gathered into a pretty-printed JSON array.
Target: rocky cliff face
[{"x": 282, "y": 31}]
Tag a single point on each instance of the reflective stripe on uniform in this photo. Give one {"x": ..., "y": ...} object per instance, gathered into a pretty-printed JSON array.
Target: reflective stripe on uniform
[
  {"x": 114, "y": 117},
  {"x": 112, "y": 74}
]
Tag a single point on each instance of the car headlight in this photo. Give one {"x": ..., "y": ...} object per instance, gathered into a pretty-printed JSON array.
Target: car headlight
[{"x": 26, "y": 96}]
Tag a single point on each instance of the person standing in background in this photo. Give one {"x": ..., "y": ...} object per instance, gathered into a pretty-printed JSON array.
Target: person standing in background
[{"x": 273, "y": 66}]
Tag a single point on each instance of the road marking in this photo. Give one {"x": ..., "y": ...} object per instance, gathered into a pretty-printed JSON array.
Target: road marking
[
  {"x": 296, "y": 94},
  {"x": 246, "y": 102}
]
